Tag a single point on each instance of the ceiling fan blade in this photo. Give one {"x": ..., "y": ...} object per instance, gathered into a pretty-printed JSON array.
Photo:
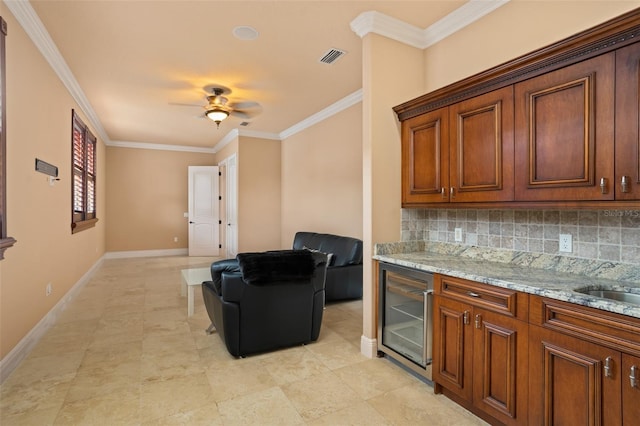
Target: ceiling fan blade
[
  {"x": 241, "y": 114},
  {"x": 181, "y": 104},
  {"x": 244, "y": 105}
]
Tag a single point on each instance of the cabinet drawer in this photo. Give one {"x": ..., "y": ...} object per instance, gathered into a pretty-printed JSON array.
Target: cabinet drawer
[
  {"x": 497, "y": 299},
  {"x": 616, "y": 331}
]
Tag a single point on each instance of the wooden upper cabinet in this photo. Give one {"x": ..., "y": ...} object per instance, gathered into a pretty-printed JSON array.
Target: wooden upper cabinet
[
  {"x": 481, "y": 148},
  {"x": 564, "y": 136},
  {"x": 425, "y": 158},
  {"x": 461, "y": 153},
  {"x": 627, "y": 162}
]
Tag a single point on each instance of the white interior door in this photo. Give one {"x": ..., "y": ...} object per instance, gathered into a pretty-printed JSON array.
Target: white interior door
[
  {"x": 231, "y": 207},
  {"x": 204, "y": 211}
]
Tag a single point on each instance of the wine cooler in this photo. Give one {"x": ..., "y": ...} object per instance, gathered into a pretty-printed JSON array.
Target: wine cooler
[{"x": 405, "y": 317}]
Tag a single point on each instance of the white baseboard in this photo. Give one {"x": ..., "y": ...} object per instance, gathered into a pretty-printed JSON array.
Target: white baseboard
[
  {"x": 146, "y": 253},
  {"x": 368, "y": 347},
  {"x": 28, "y": 342}
]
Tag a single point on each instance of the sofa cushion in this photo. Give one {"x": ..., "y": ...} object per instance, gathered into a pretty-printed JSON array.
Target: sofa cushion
[
  {"x": 345, "y": 250},
  {"x": 276, "y": 266}
]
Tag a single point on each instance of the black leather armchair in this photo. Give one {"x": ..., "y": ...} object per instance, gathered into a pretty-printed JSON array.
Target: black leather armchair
[{"x": 264, "y": 301}]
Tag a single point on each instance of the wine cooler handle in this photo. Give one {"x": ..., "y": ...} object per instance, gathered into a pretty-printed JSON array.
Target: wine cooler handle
[{"x": 427, "y": 326}]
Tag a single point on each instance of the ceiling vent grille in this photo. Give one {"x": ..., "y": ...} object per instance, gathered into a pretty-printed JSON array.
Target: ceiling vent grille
[{"x": 331, "y": 56}]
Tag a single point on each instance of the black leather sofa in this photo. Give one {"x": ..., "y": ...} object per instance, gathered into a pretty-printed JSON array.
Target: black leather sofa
[
  {"x": 344, "y": 273},
  {"x": 260, "y": 302}
]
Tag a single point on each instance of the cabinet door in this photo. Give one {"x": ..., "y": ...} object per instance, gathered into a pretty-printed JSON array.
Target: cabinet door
[
  {"x": 453, "y": 346},
  {"x": 564, "y": 133},
  {"x": 425, "y": 158},
  {"x": 500, "y": 368},
  {"x": 627, "y": 164},
  {"x": 568, "y": 381},
  {"x": 630, "y": 390},
  {"x": 481, "y": 148}
]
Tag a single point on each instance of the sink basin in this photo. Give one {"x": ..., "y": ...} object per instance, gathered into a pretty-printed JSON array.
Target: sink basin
[{"x": 622, "y": 296}]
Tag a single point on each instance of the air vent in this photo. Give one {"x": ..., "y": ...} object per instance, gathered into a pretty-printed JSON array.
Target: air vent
[{"x": 331, "y": 56}]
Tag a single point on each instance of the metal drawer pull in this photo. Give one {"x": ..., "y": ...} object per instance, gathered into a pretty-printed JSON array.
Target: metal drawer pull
[
  {"x": 472, "y": 294},
  {"x": 624, "y": 182},
  {"x": 478, "y": 321},
  {"x": 465, "y": 318},
  {"x": 603, "y": 185},
  {"x": 633, "y": 378},
  {"x": 608, "y": 367}
]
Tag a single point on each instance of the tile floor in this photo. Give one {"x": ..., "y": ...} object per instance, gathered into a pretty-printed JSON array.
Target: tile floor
[{"x": 124, "y": 352}]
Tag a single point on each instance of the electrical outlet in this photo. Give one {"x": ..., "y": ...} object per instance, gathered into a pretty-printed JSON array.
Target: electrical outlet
[
  {"x": 48, "y": 289},
  {"x": 458, "y": 234},
  {"x": 175, "y": 239},
  {"x": 566, "y": 244}
]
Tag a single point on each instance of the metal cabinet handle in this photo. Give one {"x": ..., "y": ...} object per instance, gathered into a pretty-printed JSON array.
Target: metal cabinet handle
[
  {"x": 608, "y": 367},
  {"x": 603, "y": 185},
  {"x": 633, "y": 377},
  {"x": 452, "y": 192},
  {"x": 472, "y": 294},
  {"x": 443, "y": 192},
  {"x": 624, "y": 182},
  {"x": 478, "y": 321},
  {"x": 465, "y": 318}
]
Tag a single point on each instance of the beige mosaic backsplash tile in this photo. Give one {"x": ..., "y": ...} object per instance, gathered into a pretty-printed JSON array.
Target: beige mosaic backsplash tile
[{"x": 605, "y": 235}]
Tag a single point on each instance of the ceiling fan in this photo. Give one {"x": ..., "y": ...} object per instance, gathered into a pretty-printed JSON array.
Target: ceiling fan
[{"x": 219, "y": 107}]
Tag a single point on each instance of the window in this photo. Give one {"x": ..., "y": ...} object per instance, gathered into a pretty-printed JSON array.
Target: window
[
  {"x": 83, "y": 198},
  {"x": 5, "y": 241}
]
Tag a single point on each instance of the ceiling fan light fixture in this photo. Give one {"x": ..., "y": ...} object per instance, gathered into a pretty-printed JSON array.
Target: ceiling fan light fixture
[{"x": 217, "y": 115}]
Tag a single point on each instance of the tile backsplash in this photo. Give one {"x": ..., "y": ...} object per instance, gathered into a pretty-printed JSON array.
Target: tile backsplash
[{"x": 605, "y": 235}]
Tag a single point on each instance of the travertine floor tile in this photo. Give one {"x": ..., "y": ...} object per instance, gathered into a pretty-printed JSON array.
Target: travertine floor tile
[
  {"x": 320, "y": 395},
  {"x": 265, "y": 407},
  {"x": 124, "y": 352}
]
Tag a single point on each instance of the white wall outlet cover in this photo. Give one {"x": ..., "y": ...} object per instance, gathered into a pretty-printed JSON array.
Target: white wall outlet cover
[
  {"x": 458, "y": 234},
  {"x": 565, "y": 243}
]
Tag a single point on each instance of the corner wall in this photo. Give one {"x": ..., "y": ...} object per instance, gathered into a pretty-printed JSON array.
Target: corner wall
[{"x": 322, "y": 178}]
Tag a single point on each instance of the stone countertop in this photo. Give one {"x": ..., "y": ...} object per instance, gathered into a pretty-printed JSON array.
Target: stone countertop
[{"x": 555, "y": 277}]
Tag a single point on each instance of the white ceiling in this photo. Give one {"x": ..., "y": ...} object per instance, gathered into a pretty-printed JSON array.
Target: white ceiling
[{"x": 130, "y": 60}]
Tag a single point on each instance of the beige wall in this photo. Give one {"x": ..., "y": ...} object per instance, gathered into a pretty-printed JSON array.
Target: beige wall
[
  {"x": 322, "y": 178},
  {"x": 147, "y": 197},
  {"x": 259, "y": 194},
  {"x": 38, "y": 215},
  {"x": 517, "y": 28}
]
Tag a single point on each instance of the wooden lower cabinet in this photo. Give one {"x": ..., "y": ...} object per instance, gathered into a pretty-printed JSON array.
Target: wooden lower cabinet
[
  {"x": 480, "y": 356},
  {"x": 572, "y": 382},
  {"x": 630, "y": 389},
  {"x": 519, "y": 359}
]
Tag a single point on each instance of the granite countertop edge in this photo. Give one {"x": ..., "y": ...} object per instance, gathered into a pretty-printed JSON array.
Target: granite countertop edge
[{"x": 504, "y": 269}]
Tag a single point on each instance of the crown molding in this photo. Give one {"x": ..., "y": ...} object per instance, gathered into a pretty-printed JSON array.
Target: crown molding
[
  {"x": 159, "y": 147},
  {"x": 322, "y": 115},
  {"x": 32, "y": 25},
  {"x": 378, "y": 23}
]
